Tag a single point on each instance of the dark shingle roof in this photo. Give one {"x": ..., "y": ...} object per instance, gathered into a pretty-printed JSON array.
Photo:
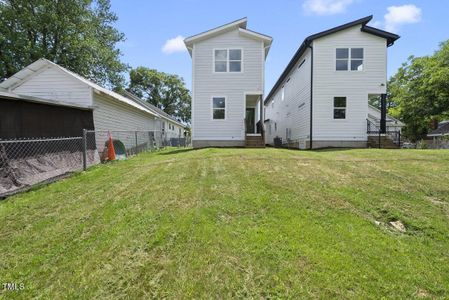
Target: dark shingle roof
[{"x": 443, "y": 129}]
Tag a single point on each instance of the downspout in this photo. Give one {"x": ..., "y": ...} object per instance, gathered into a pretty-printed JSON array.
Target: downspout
[{"x": 311, "y": 96}]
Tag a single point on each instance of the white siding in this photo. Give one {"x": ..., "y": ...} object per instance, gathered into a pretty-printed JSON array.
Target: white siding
[
  {"x": 52, "y": 83},
  {"x": 173, "y": 132},
  {"x": 233, "y": 86},
  {"x": 356, "y": 85},
  {"x": 294, "y": 112},
  {"x": 110, "y": 114}
]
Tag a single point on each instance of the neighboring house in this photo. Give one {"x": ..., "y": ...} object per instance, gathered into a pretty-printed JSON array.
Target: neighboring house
[
  {"x": 228, "y": 65},
  {"x": 442, "y": 130},
  {"x": 45, "y": 79},
  {"x": 439, "y": 138},
  {"x": 321, "y": 98},
  {"x": 30, "y": 117},
  {"x": 169, "y": 125}
]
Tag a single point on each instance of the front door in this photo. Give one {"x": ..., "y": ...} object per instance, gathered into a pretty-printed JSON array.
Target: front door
[{"x": 250, "y": 119}]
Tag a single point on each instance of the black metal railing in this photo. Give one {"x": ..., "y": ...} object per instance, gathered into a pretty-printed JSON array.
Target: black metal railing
[{"x": 374, "y": 130}]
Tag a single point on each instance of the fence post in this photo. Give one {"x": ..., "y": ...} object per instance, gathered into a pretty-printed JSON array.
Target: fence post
[
  {"x": 84, "y": 149},
  {"x": 379, "y": 140},
  {"x": 135, "y": 133}
]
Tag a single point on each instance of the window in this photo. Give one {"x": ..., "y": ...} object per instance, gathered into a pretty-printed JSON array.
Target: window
[
  {"x": 235, "y": 60},
  {"x": 218, "y": 108},
  {"x": 221, "y": 57},
  {"x": 339, "y": 107},
  {"x": 228, "y": 60},
  {"x": 283, "y": 93},
  {"x": 349, "y": 59},
  {"x": 356, "y": 59}
]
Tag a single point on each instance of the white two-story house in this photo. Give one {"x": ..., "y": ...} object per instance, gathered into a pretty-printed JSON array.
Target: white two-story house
[
  {"x": 321, "y": 98},
  {"x": 228, "y": 65}
]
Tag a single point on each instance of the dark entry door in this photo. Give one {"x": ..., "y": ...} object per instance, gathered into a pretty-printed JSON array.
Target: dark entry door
[{"x": 250, "y": 119}]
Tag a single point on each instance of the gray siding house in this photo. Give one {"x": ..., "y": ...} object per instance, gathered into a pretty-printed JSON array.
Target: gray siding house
[
  {"x": 321, "y": 98},
  {"x": 228, "y": 65}
]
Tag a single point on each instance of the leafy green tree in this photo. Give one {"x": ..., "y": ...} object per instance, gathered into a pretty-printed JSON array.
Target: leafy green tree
[
  {"x": 420, "y": 91},
  {"x": 76, "y": 34},
  {"x": 166, "y": 91}
]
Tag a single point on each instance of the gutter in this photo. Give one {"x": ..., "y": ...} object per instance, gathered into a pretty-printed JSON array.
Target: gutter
[{"x": 311, "y": 95}]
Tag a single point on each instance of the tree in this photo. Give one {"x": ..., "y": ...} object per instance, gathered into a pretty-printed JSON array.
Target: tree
[
  {"x": 166, "y": 91},
  {"x": 374, "y": 100},
  {"x": 420, "y": 90},
  {"x": 76, "y": 34}
]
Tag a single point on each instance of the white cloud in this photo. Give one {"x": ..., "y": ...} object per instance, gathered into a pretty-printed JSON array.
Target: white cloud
[
  {"x": 174, "y": 45},
  {"x": 399, "y": 15},
  {"x": 326, "y": 7}
]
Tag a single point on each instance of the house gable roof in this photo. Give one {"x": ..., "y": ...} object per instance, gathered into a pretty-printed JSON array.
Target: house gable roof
[
  {"x": 443, "y": 129},
  {"x": 156, "y": 109},
  {"x": 239, "y": 24},
  {"x": 390, "y": 37},
  {"x": 23, "y": 75}
]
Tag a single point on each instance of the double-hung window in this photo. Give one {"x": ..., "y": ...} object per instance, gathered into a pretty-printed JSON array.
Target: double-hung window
[
  {"x": 218, "y": 108},
  {"x": 339, "y": 107},
  {"x": 227, "y": 60},
  {"x": 349, "y": 59},
  {"x": 221, "y": 60}
]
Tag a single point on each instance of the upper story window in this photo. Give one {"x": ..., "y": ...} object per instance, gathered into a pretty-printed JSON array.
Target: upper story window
[
  {"x": 283, "y": 93},
  {"x": 228, "y": 60},
  {"x": 218, "y": 108},
  {"x": 339, "y": 107},
  {"x": 349, "y": 59}
]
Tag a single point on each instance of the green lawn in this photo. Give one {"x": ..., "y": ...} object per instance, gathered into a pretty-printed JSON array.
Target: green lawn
[{"x": 242, "y": 223}]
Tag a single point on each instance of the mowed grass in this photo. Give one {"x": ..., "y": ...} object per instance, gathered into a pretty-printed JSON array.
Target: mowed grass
[{"x": 240, "y": 223}]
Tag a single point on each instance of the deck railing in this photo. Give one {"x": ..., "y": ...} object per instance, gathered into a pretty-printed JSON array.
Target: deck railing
[{"x": 374, "y": 130}]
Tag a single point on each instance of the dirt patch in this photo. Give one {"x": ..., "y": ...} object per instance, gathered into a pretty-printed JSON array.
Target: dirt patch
[
  {"x": 435, "y": 200},
  {"x": 422, "y": 293},
  {"x": 398, "y": 225}
]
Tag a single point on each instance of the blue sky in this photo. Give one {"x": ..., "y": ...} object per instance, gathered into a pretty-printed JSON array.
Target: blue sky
[{"x": 150, "y": 25}]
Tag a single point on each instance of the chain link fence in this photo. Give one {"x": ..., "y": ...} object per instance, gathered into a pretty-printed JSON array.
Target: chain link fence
[
  {"x": 26, "y": 162},
  {"x": 126, "y": 143}
]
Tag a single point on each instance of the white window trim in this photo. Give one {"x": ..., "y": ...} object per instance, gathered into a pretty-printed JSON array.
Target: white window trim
[
  {"x": 349, "y": 60},
  {"x": 227, "y": 60},
  {"x": 212, "y": 108},
  {"x": 335, "y": 107}
]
